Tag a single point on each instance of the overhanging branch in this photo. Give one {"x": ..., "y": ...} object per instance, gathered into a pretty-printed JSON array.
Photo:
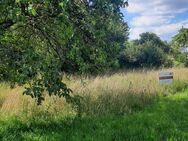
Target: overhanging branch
[{"x": 6, "y": 24}]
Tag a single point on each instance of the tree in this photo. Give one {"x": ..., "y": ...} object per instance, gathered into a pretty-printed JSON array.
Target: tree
[
  {"x": 100, "y": 34},
  {"x": 147, "y": 51},
  {"x": 151, "y": 55},
  {"x": 39, "y": 40},
  {"x": 129, "y": 57},
  {"x": 179, "y": 45},
  {"x": 152, "y": 37},
  {"x": 181, "y": 39}
]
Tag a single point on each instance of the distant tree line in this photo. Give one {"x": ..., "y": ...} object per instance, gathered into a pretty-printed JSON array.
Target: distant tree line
[{"x": 150, "y": 51}]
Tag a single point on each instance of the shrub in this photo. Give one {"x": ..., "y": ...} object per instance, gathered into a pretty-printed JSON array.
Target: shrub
[
  {"x": 145, "y": 55},
  {"x": 129, "y": 57},
  {"x": 169, "y": 62},
  {"x": 151, "y": 56},
  {"x": 186, "y": 62}
]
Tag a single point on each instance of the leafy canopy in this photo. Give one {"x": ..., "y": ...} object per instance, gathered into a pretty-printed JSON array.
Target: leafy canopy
[
  {"x": 42, "y": 39},
  {"x": 147, "y": 51},
  {"x": 181, "y": 39}
]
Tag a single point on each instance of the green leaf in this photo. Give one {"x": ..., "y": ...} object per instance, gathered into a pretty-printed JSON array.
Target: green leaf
[
  {"x": 61, "y": 4},
  {"x": 17, "y": 1},
  {"x": 32, "y": 10}
]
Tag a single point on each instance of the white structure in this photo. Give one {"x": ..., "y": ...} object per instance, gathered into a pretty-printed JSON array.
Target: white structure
[{"x": 166, "y": 78}]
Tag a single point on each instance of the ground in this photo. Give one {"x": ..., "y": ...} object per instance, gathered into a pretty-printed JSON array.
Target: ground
[{"x": 166, "y": 120}]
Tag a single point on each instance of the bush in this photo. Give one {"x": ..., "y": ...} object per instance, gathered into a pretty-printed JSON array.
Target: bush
[
  {"x": 169, "y": 62},
  {"x": 180, "y": 57},
  {"x": 145, "y": 55},
  {"x": 129, "y": 57},
  {"x": 151, "y": 56}
]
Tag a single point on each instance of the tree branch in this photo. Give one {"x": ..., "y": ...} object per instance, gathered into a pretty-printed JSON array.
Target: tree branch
[{"x": 6, "y": 24}]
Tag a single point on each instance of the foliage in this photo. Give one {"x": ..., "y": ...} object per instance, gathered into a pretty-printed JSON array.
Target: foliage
[
  {"x": 155, "y": 41},
  {"x": 169, "y": 61},
  {"x": 40, "y": 40},
  {"x": 100, "y": 33},
  {"x": 129, "y": 56},
  {"x": 179, "y": 45},
  {"x": 151, "y": 56},
  {"x": 181, "y": 39},
  {"x": 148, "y": 51}
]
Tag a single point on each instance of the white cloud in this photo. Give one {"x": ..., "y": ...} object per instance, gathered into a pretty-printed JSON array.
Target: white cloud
[
  {"x": 170, "y": 28},
  {"x": 156, "y": 16},
  {"x": 160, "y": 30},
  {"x": 134, "y": 32},
  {"x": 154, "y": 7},
  {"x": 148, "y": 20}
]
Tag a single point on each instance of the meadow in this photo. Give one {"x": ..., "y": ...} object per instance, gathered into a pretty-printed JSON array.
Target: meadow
[{"x": 128, "y": 105}]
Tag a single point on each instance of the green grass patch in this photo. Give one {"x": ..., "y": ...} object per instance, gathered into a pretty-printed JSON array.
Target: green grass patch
[{"x": 165, "y": 120}]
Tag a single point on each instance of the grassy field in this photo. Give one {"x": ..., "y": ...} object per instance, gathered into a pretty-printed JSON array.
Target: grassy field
[
  {"x": 123, "y": 106},
  {"x": 166, "y": 120}
]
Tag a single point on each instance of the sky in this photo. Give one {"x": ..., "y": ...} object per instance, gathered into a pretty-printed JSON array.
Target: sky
[{"x": 163, "y": 17}]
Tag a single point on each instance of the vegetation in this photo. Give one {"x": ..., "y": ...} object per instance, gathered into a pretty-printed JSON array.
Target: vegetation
[
  {"x": 165, "y": 120},
  {"x": 111, "y": 108},
  {"x": 179, "y": 45},
  {"x": 148, "y": 51},
  {"x": 79, "y": 50},
  {"x": 181, "y": 39},
  {"x": 40, "y": 40},
  {"x": 116, "y": 94}
]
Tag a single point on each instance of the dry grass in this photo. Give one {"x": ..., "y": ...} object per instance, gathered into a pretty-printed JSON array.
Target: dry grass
[
  {"x": 120, "y": 93},
  {"x": 134, "y": 81},
  {"x": 124, "y": 92}
]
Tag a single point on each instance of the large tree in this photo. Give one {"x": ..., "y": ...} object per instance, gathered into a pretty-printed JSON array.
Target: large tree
[
  {"x": 181, "y": 39},
  {"x": 154, "y": 39},
  {"x": 41, "y": 39},
  {"x": 179, "y": 45},
  {"x": 147, "y": 51}
]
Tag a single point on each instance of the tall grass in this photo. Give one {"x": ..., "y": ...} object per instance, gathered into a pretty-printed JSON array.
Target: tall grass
[
  {"x": 125, "y": 92},
  {"x": 120, "y": 93}
]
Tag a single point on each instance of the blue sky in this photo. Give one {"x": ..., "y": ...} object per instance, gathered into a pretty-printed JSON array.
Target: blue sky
[{"x": 163, "y": 17}]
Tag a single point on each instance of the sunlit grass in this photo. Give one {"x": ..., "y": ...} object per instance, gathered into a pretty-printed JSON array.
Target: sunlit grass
[
  {"x": 108, "y": 110},
  {"x": 119, "y": 93},
  {"x": 125, "y": 92},
  {"x": 166, "y": 120}
]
